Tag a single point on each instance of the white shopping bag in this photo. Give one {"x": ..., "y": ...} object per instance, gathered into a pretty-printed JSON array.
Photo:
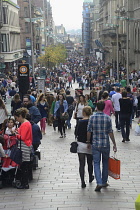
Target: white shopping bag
[{"x": 137, "y": 130}]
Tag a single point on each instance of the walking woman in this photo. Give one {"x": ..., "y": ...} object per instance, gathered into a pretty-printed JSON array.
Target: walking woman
[
  {"x": 89, "y": 102},
  {"x": 61, "y": 107},
  {"x": 82, "y": 150},
  {"x": 15, "y": 103},
  {"x": 3, "y": 112},
  {"x": 25, "y": 135},
  {"x": 78, "y": 114},
  {"x": 108, "y": 104},
  {"x": 125, "y": 115},
  {"x": 43, "y": 108}
]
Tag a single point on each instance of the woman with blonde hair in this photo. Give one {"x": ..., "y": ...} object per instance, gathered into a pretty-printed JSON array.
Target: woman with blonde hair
[
  {"x": 3, "y": 112},
  {"x": 43, "y": 108},
  {"x": 15, "y": 103},
  {"x": 82, "y": 150}
]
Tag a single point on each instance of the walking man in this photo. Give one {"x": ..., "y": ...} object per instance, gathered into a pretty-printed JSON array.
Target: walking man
[
  {"x": 116, "y": 103},
  {"x": 100, "y": 127}
]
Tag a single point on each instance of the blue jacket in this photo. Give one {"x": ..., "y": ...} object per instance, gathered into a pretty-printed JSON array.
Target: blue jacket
[
  {"x": 35, "y": 114},
  {"x": 43, "y": 112},
  {"x": 37, "y": 135},
  {"x": 57, "y": 106}
]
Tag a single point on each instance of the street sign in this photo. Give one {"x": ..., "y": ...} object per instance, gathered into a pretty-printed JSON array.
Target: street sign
[
  {"x": 41, "y": 85},
  {"x": 23, "y": 78}
]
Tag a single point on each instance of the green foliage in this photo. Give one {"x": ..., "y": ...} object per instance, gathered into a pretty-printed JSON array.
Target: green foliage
[{"x": 54, "y": 55}]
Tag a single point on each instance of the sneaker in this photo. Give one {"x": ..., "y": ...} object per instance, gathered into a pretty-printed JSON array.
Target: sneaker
[
  {"x": 105, "y": 185},
  {"x": 123, "y": 140},
  {"x": 64, "y": 135},
  {"x": 119, "y": 130},
  {"x": 127, "y": 139},
  {"x": 61, "y": 137},
  {"x": 98, "y": 188}
]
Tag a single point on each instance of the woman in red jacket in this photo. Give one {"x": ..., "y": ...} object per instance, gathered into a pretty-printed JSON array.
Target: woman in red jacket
[{"x": 24, "y": 133}]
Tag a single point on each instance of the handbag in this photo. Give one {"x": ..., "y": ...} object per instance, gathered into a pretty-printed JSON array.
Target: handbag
[
  {"x": 73, "y": 148},
  {"x": 75, "y": 113},
  {"x": 114, "y": 168},
  {"x": 65, "y": 117},
  {"x": 55, "y": 123},
  {"x": 16, "y": 153},
  {"x": 137, "y": 130}
]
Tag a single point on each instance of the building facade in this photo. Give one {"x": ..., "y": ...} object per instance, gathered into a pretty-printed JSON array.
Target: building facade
[
  {"x": 136, "y": 36},
  {"x": 11, "y": 50},
  {"x": 86, "y": 26},
  {"x": 114, "y": 31}
]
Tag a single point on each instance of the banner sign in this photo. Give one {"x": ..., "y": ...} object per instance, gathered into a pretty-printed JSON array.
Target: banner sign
[
  {"x": 23, "y": 78},
  {"x": 41, "y": 85}
]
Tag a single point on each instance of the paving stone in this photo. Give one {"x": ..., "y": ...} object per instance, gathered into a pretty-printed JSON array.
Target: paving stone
[{"x": 57, "y": 186}]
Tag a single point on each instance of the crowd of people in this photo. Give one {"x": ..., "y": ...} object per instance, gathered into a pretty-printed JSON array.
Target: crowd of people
[{"x": 56, "y": 107}]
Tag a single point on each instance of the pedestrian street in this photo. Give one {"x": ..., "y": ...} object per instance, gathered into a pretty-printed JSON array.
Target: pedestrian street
[{"x": 57, "y": 186}]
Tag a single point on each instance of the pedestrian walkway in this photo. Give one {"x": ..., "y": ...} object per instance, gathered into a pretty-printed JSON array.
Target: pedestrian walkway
[{"x": 56, "y": 184}]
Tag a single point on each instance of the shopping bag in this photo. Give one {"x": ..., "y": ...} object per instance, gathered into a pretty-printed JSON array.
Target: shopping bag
[
  {"x": 114, "y": 168},
  {"x": 137, "y": 130}
]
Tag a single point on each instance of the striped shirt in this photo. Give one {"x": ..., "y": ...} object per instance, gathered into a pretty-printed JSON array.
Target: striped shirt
[{"x": 100, "y": 125}]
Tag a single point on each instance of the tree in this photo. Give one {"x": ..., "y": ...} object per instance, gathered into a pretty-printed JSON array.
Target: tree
[{"x": 54, "y": 55}]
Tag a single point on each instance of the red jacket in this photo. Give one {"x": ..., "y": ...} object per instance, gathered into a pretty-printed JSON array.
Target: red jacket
[{"x": 25, "y": 133}]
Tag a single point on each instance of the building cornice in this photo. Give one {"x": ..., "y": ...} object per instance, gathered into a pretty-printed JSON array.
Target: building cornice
[{"x": 12, "y": 3}]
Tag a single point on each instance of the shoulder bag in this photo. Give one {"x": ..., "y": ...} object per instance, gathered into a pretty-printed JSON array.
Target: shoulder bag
[
  {"x": 65, "y": 117},
  {"x": 16, "y": 153}
]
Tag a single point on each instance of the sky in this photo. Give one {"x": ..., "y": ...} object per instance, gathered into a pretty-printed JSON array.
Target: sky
[{"x": 68, "y": 13}]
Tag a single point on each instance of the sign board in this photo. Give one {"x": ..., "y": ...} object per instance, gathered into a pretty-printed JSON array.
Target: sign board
[
  {"x": 23, "y": 78},
  {"x": 41, "y": 85},
  {"x": 43, "y": 73}
]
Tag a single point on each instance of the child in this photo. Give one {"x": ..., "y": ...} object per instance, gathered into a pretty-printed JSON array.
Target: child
[
  {"x": 2, "y": 153},
  {"x": 10, "y": 127}
]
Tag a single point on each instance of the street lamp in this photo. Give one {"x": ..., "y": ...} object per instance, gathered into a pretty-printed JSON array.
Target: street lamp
[
  {"x": 117, "y": 40},
  {"x": 119, "y": 11},
  {"x": 32, "y": 39}
]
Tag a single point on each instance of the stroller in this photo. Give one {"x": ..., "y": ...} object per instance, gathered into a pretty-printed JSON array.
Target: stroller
[{"x": 9, "y": 170}]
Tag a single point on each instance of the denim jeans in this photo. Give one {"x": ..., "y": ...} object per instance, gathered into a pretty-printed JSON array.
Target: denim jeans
[
  {"x": 68, "y": 123},
  {"x": 101, "y": 176}
]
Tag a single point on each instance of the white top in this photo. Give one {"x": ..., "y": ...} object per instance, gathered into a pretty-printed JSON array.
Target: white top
[
  {"x": 115, "y": 99},
  {"x": 2, "y": 153},
  {"x": 79, "y": 110},
  {"x": 8, "y": 131}
]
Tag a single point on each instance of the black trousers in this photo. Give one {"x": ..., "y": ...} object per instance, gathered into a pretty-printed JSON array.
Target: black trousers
[
  {"x": 25, "y": 172},
  {"x": 117, "y": 119},
  {"x": 125, "y": 122},
  {"x": 61, "y": 126},
  {"x": 82, "y": 161}
]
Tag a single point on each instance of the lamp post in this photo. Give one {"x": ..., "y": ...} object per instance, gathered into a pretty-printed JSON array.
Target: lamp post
[
  {"x": 117, "y": 40},
  {"x": 127, "y": 51},
  {"x": 32, "y": 39},
  {"x": 117, "y": 37}
]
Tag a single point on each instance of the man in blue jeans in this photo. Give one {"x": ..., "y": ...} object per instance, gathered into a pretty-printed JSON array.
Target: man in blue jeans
[{"x": 100, "y": 127}]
